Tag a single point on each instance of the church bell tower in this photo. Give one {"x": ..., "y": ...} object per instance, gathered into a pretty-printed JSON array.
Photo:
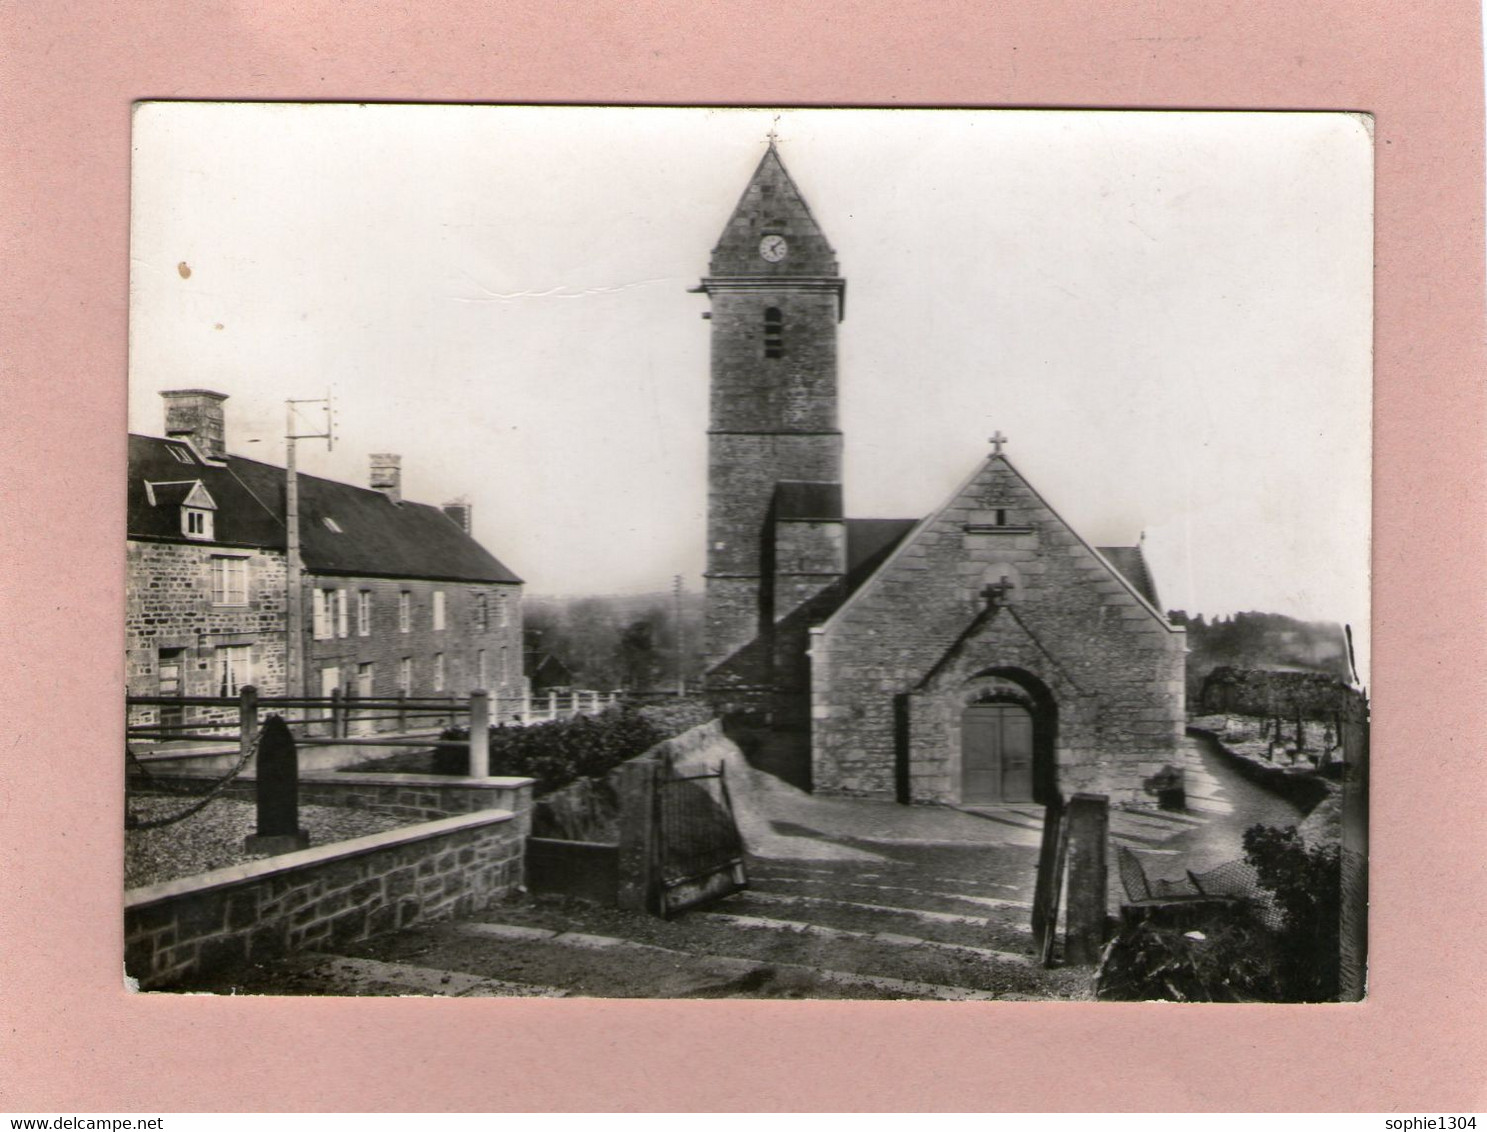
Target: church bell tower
[{"x": 775, "y": 536}]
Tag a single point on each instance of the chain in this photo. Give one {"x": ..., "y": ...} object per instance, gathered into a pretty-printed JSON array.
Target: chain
[{"x": 133, "y": 822}]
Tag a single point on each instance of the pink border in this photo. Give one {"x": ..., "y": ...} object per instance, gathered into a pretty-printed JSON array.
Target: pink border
[{"x": 74, "y": 1041}]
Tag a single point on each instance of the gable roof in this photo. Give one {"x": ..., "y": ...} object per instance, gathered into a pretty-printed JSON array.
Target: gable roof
[
  {"x": 1146, "y": 598},
  {"x": 869, "y": 543},
  {"x": 375, "y": 537},
  {"x": 1131, "y": 564}
]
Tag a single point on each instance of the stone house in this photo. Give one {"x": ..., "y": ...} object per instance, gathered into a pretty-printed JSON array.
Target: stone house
[
  {"x": 984, "y": 654},
  {"x": 397, "y": 596}
]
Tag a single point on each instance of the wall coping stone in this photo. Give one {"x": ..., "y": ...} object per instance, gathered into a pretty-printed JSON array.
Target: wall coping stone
[
  {"x": 386, "y": 778},
  {"x": 366, "y": 778},
  {"x": 248, "y": 871}
]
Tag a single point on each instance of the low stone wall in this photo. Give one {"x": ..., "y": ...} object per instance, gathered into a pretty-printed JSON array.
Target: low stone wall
[
  {"x": 216, "y": 761},
  {"x": 325, "y": 896},
  {"x": 1302, "y": 786},
  {"x": 417, "y": 797}
]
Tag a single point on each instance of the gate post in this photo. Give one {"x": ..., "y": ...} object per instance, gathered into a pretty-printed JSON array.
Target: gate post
[
  {"x": 480, "y": 734},
  {"x": 247, "y": 720},
  {"x": 637, "y": 853},
  {"x": 1089, "y": 828}
]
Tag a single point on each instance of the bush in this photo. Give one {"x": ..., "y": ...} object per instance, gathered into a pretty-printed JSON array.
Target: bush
[
  {"x": 557, "y": 753},
  {"x": 1307, "y": 883},
  {"x": 1226, "y": 955},
  {"x": 672, "y": 717}
]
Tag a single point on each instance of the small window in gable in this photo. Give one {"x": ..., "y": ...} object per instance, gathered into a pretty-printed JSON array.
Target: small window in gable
[{"x": 774, "y": 333}]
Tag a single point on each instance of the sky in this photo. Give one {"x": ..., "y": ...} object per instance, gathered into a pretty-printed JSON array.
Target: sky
[{"x": 1168, "y": 314}]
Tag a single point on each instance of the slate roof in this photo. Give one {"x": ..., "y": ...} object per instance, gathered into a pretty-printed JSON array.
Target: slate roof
[
  {"x": 376, "y": 538},
  {"x": 1132, "y": 566},
  {"x": 869, "y": 542},
  {"x": 807, "y": 499}
]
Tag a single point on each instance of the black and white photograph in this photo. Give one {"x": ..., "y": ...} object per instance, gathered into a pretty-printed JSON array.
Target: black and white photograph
[{"x": 731, "y": 553}]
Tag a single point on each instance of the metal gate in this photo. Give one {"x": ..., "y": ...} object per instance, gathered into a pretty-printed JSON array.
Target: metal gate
[{"x": 701, "y": 854}]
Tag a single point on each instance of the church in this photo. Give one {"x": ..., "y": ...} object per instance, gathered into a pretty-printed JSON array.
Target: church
[{"x": 985, "y": 654}]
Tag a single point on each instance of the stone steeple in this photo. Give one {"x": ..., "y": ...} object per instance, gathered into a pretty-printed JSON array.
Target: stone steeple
[
  {"x": 771, "y": 206},
  {"x": 776, "y": 542}
]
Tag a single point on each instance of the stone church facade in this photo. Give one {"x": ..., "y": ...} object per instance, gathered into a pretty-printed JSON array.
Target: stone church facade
[{"x": 983, "y": 655}]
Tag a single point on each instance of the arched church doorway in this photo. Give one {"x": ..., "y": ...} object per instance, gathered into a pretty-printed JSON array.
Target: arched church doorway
[{"x": 1007, "y": 741}]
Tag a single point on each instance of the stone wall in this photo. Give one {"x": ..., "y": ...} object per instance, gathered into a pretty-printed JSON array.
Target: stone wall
[
  {"x": 1266, "y": 692},
  {"x": 417, "y": 797},
  {"x": 893, "y": 670},
  {"x": 168, "y": 605},
  {"x": 326, "y": 896}
]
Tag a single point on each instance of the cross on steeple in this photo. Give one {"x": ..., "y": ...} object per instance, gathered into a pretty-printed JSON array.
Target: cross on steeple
[
  {"x": 997, "y": 440},
  {"x": 996, "y": 593},
  {"x": 772, "y": 136}
]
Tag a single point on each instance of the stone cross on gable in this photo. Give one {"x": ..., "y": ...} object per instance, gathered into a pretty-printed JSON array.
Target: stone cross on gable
[
  {"x": 996, "y": 593},
  {"x": 997, "y": 440}
]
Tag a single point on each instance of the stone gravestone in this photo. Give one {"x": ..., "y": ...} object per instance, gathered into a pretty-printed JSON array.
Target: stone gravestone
[{"x": 278, "y": 792}]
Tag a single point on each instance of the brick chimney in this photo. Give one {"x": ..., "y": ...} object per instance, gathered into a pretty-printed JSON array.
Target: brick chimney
[
  {"x": 196, "y": 415},
  {"x": 387, "y": 475},
  {"x": 459, "y": 511}
]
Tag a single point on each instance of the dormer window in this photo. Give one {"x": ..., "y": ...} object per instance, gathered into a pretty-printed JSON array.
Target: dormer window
[
  {"x": 191, "y": 500},
  {"x": 180, "y": 454},
  {"x": 774, "y": 333},
  {"x": 196, "y": 523}
]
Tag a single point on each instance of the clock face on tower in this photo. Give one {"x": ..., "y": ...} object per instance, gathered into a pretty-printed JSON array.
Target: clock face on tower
[{"x": 773, "y": 248}]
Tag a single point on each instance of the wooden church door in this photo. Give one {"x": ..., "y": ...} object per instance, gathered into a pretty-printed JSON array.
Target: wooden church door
[{"x": 996, "y": 753}]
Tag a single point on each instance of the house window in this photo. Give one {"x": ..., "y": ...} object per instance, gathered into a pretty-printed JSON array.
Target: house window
[
  {"x": 342, "y": 620},
  {"x": 234, "y": 668},
  {"x": 324, "y": 610},
  {"x": 438, "y": 609},
  {"x": 501, "y": 610},
  {"x": 229, "y": 580},
  {"x": 196, "y": 523},
  {"x": 482, "y": 612},
  {"x": 438, "y": 672},
  {"x": 364, "y": 613},
  {"x": 774, "y": 333},
  {"x": 405, "y": 675},
  {"x": 505, "y": 668},
  {"x": 480, "y": 671}
]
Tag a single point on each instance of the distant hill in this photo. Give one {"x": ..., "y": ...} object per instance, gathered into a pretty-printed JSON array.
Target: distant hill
[{"x": 1261, "y": 640}]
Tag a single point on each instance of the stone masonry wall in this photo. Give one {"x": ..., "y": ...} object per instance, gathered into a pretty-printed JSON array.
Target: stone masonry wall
[
  {"x": 1113, "y": 667},
  {"x": 418, "y": 797},
  {"x": 320, "y": 897},
  {"x": 168, "y": 605},
  {"x": 385, "y": 644}
]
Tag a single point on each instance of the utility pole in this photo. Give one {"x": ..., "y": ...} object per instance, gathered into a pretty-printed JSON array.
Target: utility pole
[
  {"x": 681, "y": 669},
  {"x": 294, "y": 607}
]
